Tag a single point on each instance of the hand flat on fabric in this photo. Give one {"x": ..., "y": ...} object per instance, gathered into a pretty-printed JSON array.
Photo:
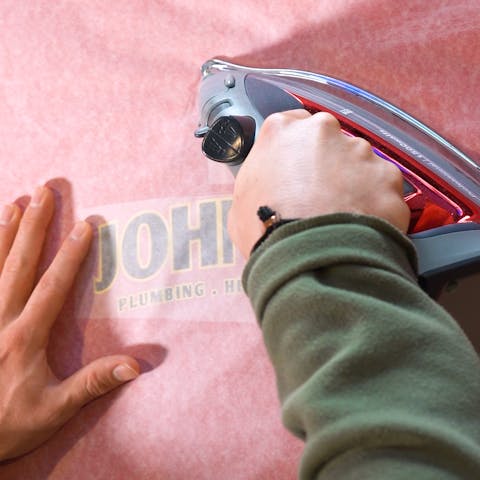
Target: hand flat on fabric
[{"x": 34, "y": 403}]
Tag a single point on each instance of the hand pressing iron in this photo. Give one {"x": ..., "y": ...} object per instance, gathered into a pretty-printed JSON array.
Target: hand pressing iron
[{"x": 441, "y": 184}]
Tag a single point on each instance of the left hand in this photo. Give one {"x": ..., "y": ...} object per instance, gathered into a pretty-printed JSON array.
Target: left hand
[{"x": 34, "y": 403}]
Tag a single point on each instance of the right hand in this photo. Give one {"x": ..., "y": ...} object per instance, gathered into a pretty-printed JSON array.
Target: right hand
[{"x": 302, "y": 165}]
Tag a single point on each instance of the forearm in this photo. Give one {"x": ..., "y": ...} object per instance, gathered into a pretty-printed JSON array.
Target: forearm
[{"x": 376, "y": 377}]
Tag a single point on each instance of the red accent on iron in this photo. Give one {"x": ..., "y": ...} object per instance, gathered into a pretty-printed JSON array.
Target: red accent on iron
[{"x": 434, "y": 203}]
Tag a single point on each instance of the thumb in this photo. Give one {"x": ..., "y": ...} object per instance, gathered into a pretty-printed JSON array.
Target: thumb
[{"x": 96, "y": 379}]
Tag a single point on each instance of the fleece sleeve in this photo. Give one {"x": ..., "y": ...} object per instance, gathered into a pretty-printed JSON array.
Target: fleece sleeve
[{"x": 376, "y": 377}]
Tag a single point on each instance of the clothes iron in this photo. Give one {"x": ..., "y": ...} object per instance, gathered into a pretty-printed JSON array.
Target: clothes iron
[{"x": 441, "y": 183}]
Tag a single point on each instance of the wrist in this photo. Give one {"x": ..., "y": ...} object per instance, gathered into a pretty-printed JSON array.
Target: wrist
[{"x": 305, "y": 245}]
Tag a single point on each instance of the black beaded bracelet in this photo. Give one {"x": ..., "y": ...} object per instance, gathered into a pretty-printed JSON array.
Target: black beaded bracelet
[{"x": 271, "y": 220}]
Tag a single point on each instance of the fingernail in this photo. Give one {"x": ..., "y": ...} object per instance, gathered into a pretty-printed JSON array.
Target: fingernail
[
  {"x": 78, "y": 230},
  {"x": 124, "y": 372},
  {"x": 7, "y": 215},
  {"x": 37, "y": 197}
]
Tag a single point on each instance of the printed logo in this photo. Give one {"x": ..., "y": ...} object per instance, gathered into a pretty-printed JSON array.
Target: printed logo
[{"x": 168, "y": 258}]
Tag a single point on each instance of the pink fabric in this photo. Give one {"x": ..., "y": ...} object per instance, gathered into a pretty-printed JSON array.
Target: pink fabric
[{"x": 101, "y": 97}]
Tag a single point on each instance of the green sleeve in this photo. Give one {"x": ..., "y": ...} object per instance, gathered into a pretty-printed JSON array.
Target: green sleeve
[{"x": 376, "y": 377}]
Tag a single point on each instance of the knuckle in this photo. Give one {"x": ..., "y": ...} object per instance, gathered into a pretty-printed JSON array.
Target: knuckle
[
  {"x": 15, "y": 340},
  {"x": 394, "y": 174},
  {"x": 363, "y": 147},
  {"x": 32, "y": 222},
  {"x": 16, "y": 263},
  {"x": 96, "y": 385},
  {"x": 30, "y": 218},
  {"x": 275, "y": 121},
  {"x": 51, "y": 284},
  {"x": 325, "y": 120}
]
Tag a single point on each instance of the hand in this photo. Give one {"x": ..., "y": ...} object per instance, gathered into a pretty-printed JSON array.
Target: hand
[
  {"x": 302, "y": 165},
  {"x": 33, "y": 402}
]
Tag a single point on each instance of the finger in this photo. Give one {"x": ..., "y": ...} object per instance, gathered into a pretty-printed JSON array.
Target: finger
[
  {"x": 9, "y": 221},
  {"x": 276, "y": 123},
  {"x": 327, "y": 124},
  {"x": 20, "y": 267},
  {"x": 296, "y": 114},
  {"x": 94, "y": 380},
  {"x": 394, "y": 174},
  {"x": 51, "y": 291},
  {"x": 280, "y": 120}
]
